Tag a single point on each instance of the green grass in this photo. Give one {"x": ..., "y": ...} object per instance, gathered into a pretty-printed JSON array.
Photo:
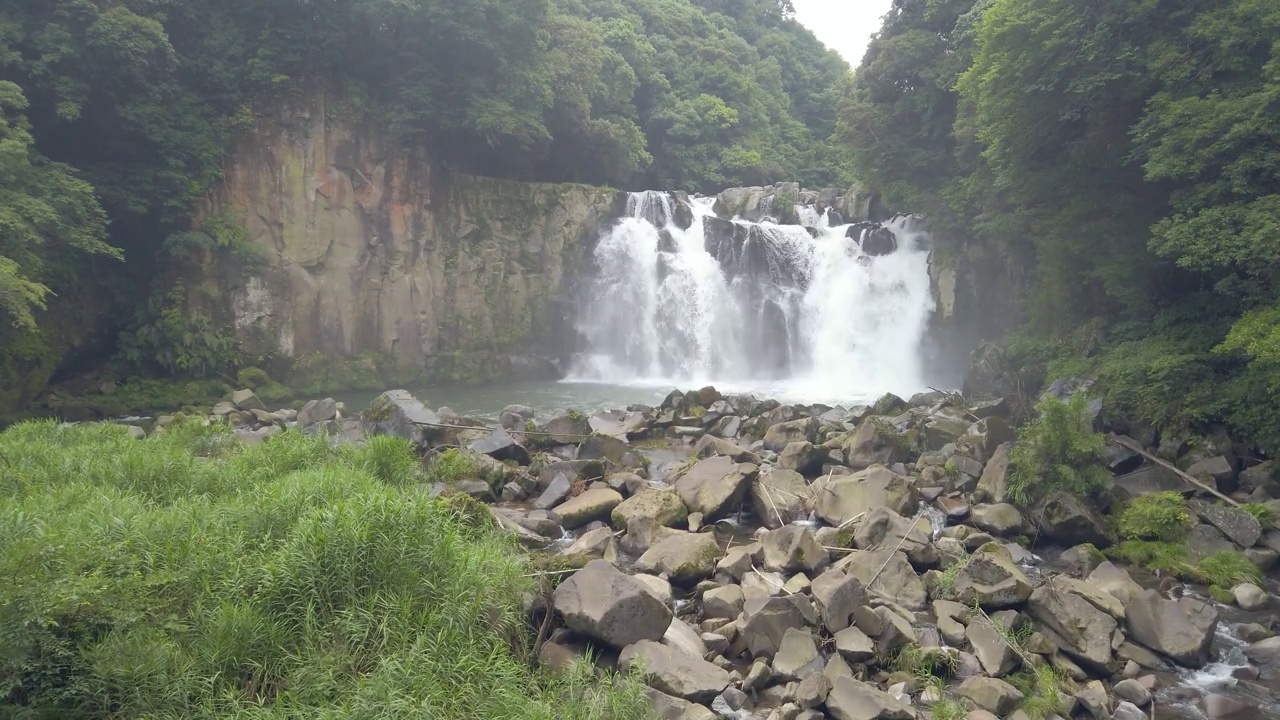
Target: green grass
[
  {"x": 187, "y": 576},
  {"x": 1044, "y": 689},
  {"x": 949, "y": 709},
  {"x": 1158, "y": 516},
  {"x": 1225, "y": 569},
  {"x": 1263, "y": 513},
  {"x": 453, "y": 465}
]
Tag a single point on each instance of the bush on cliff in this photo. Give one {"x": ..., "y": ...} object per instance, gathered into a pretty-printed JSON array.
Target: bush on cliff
[{"x": 187, "y": 576}]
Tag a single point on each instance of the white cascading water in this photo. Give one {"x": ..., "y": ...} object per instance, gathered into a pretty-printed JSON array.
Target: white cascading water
[{"x": 797, "y": 312}]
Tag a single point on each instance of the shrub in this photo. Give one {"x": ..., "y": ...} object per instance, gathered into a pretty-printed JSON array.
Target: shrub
[
  {"x": 253, "y": 378},
  {"x": 453, "y": 465},
  {"x": 1226, "y": 569},
  {"x": 188, "y": 576},
  {"x": 1157, "y": 516},
  {"x": 1057, "y": 451}
]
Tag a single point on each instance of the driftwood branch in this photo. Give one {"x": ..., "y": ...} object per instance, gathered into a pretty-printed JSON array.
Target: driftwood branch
[{"x": 1135, "y": 447}]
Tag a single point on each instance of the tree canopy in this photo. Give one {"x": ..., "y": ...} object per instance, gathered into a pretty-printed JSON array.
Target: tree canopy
[
  {"x": 1130, "y": 150},
  {"x": 117, "y": 113}
]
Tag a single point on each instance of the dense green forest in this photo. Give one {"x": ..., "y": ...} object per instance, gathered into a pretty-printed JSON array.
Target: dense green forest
[
  {"x": 1127, "y": 151},
  {"x": 117, "y": 113}
]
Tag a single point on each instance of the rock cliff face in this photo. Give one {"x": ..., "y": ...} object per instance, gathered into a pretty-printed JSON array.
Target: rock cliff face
[{"x": 372, "y": 248}]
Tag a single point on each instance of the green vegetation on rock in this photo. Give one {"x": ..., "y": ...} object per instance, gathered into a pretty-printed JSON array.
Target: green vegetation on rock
[
  {"x": 1159, "y": 516},
  {"x": 187, "y": 576},
  {"x": 1057, "y": 452}
]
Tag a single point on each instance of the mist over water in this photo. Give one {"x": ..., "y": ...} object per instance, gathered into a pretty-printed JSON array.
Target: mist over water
[{"x": 787, "y": 311}]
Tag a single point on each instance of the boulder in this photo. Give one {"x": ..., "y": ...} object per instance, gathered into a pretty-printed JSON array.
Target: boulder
[
  {"x": 780, "y": 497},
  {"x": 588, "y": 507},
  {"x": 797, "y": 657},
  {"x": 567, "y": 429},
  {"x": 617, "y": 452},
  {"x": 990, "y": 694},
  {"x": 778, "y": 436},
  {"x": 993, "y": 484},
  {"x": 247, "y": 400},
  {"x": 983, "y": 438},
  {"x": 792, "y": 549},
  {"x": 1095, "y": 596},
  {"x": 838, "y": 597},
  {"x": 722, "y": 602},
  {"x": 850, "y": 699},
  {"x": 667, "y": 707},
  {"x": 602, "y": 603},
  {"x": 854, "y": 645},
  {"x": 896, "y": 581},
  {"x": 662, "y": 506},
  {"x": 766, "y": 620},
  {"x": 1223, "y": 707},
  {"x": 841, "y": 499},
  {"x": 873, "y": 443},
  {"x": 712, "y": 446},
  {"x": 1179, "y": 629},
  {"x": 1133, "y": 691},
  {"x": 1069, "y": 520},
  {"x": 803, "y": 457},
  {"x": 557, "y": 491},
  {"x": 1241, "y": 527},
  {"x": 500, "y": 446},
  {"x": 997, "y": 658},
  {"x": 1082, "y": 559},
  {"x": 1086, "y": 632},
  {"x": 1251, "y": 597},
  {"x": 883, "y": 527},
  {"x": 317, "y": 411},
  {"x": 1001, "y": 520},
  {"x": 399, "y": 414},
  {"x": 992, "y": 579},
  {"x": 673, "y": 672},
  {"x": 715, "y": 486},
  {"x": 1217, "y": 472},
  {"x": 685, "y": 557},
  {"x": 1120, "y": 459},
  {"x": 1204, "y": 540}
]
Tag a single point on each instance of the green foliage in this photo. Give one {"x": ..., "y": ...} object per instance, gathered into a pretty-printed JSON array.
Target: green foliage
[
  {"x": 453, "y": 465},
  {"x": 1263, "y": 513},
  {"x": 1127, "y": 156},
  {"x": 186, "y": 576},
  {"x": 1227, "y": 569},
  {"x": 949, "y": 709},
  {"x": 1058, "y": 451},
  {"x": 1158, "y": 516},
  {"x": 1044, "y": 688},
  {"x": 176, "y": 337},
  {"x": 1222, "y": 595},
  {"x": 253, "y": 378}
]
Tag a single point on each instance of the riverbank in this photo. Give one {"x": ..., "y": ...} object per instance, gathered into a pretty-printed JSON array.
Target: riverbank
[{"x": 762, "y": 560}]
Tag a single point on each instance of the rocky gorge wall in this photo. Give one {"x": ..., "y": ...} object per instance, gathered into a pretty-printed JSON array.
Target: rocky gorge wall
[{"x": 373, "y": 249}]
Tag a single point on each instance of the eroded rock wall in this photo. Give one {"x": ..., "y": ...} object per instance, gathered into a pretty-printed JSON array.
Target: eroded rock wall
[{"x": 372, "y": 248}]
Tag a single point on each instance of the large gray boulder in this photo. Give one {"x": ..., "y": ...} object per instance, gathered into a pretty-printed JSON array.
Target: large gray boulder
[
  {"x": 873, "y": 443},
  {"x": 317, "y": 411},
  {"x": 1071, "y": 520},
  {"x": 685, "y": 557},
  {"x": 896, "y": 579},
  {"x": 607, "y": 605},
  {"x": 994, "y": 696},
  {"x": 588, "y": 507},
  {"x": 992, "y": 579},
  {"x": 711, "y": 446},
  {"x": 780, "y": 497},
  {"x": 838, "y": 596},
  {"x": 793, "y": 549},
  {"x": 1182, "y": 630},
  {"x": 850, "y": 699},
  {"x": 1241, "y": 527},
  {"x": 994, "y": 482},
  {"x": 397, "y": 413},
  {"x": 1086, "y": 632},
  {"x": 674, "y": 672},
  {"x": 778, "y": 436},
  {"x": 1001, "y": 519},
  {"x": 797, "y": 657},
  {"x": 715, "y": 486},
  {"x": 840, "y": 499},
  {"x": 883, "y": 527},
  {"x": 500, "y": 446},
  {"x": 664, "y": 507},
  {"x": 803, "y": 457},
  {"x": 766, "y": 621},
  {"x": 246, "y": 400}
]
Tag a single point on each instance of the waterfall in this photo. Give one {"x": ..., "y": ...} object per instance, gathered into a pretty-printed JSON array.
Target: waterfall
[{"x": 809, "y": 312}]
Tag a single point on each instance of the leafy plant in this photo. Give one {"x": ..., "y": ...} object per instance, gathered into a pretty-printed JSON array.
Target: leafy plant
[
  {"x": 1158, "y": 516},
  {"x": 1058, "y": 451}
]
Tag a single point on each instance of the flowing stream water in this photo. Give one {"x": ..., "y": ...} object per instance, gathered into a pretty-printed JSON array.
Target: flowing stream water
[{"x": 797, "y": 312}]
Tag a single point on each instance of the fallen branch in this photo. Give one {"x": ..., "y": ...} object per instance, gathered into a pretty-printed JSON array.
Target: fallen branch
[{"x": 1135, "y": 447}]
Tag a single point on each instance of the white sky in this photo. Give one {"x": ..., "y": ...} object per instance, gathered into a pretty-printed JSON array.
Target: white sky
[{"x": 843, "y": 25}]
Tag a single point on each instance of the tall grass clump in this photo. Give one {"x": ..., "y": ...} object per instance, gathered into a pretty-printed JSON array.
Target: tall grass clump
[
  {"x": 1058, "y": 451},
  {"x": 187, "y": 576}
]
